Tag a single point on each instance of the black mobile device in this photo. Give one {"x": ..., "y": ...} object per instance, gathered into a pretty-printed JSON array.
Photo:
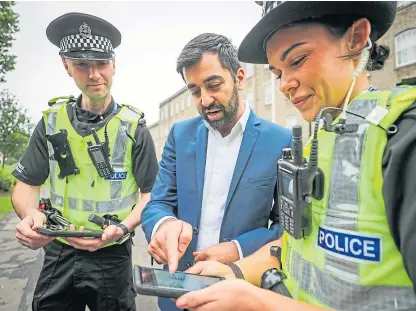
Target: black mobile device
[
  {"x": 157, "y": 282},
  {"x": 69, "y": 234},
  {"x": 298, "y": 182},
  {"x": 98, "y": 153},
  {"x": 62, "y": 154}
]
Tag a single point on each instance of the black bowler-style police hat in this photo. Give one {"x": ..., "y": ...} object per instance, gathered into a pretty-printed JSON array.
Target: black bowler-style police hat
[
  {"x": 276, "y": 14},
  {"x": 84, "y": 36}
]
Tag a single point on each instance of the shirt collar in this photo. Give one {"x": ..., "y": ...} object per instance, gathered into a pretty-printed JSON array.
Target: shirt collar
[
  {"x": 241, "y": 123},
  {"x": 90, "y": 116}
]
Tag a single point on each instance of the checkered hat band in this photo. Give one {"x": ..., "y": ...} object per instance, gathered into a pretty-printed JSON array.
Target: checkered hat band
[
  {"x": 270, "y": 5},
  {"x": 77, "y": 42}
]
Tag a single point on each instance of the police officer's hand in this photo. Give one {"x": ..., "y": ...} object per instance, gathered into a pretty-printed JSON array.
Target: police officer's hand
[
  {"x": 222, "y": 252},
  {"x": 26, "y": 230},
  {"x": 228, "y": 295},
  {"x": 212, "y": 268},
  {"x": 111, "y": 234},
  {"x": 170, "y": 242}
]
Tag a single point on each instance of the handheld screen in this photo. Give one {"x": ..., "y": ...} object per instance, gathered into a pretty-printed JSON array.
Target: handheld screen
[
  {"x": 287, "y": 186},
  {"x": 98, "y": 156},
  {"x": 178, "y": 280}
]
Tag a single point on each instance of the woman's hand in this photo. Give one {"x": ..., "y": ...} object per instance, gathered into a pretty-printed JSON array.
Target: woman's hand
[{"x": 212, "y": 268}]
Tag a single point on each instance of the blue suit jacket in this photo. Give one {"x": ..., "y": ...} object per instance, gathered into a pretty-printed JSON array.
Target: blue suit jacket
[{"x": 180, "y": 182}]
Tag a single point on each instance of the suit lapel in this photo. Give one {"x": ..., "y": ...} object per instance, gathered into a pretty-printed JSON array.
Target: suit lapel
[
  {"x": 250, "y": 135},
  {"x": 201, "y": 156}
]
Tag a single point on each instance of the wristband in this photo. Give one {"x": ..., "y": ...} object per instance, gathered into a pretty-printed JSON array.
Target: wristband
[{"x": 236, "y": 270}]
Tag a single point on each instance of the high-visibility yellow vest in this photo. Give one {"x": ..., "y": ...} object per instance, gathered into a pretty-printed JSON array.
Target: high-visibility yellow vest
[
  {"x": 349, "y": 261},
  {"x": 78, "y": 196}
]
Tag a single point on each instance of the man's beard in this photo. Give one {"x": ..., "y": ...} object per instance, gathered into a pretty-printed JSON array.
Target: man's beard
[{"x": 228, "y": 114}]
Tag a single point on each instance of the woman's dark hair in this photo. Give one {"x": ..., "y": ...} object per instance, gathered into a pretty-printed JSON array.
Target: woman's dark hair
[{"x": 338, "y": 26}]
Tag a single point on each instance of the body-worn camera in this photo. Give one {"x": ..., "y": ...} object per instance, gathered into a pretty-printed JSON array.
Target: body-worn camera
[
  {"x": 99, "y": 154},
  {"x": 298, "y": 182},
  {"x": 62, "y": 154}
]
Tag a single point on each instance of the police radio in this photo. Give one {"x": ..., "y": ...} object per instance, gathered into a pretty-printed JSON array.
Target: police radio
[
  {"x": 298, "y": 182},
  {"x": 99, "y": 154}
]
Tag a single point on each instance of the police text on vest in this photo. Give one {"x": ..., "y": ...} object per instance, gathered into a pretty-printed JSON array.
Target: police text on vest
[{"x": 354, "y": 246}]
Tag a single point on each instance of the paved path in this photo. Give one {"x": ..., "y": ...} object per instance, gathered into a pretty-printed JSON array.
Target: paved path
[{"x": 20, "y": 267}]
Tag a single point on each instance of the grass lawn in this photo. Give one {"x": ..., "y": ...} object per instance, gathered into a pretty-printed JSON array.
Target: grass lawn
[{"x": 5, "y": 205}]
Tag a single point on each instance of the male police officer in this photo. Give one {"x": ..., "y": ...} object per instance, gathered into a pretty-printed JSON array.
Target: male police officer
[{"x": 97, "y": 154}]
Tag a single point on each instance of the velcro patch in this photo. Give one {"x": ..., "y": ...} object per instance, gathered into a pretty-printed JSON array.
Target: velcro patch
[
  {"x": 357, "y": 247},
  {"x": 117, "y": 176}
]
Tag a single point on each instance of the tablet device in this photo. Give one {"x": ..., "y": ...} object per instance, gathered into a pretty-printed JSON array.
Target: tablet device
[
  {"x": 69, "y": 234},
  {"x": 161, "y": 283}
]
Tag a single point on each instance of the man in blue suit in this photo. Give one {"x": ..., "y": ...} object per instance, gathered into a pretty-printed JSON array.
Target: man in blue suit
[{"x": 214, "y": 191}]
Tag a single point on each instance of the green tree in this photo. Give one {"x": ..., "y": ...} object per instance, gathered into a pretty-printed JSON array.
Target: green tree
[
  {"x": 15, "y": 126},
  {"x": 8, "y": 28}
]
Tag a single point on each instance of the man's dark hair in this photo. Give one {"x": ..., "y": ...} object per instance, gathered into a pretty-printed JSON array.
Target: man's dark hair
[{"x": 209, "y": 43}]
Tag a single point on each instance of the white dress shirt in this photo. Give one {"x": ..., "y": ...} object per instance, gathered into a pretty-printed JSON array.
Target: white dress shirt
[{"x": 222, "y": 154}]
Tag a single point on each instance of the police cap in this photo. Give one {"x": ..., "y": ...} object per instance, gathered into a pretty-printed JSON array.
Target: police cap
[
  {"x": 276, "y": 14},
  {"x": 84, "y": 36}
]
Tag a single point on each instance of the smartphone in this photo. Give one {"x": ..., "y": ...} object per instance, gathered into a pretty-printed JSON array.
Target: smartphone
[
  {"x": 69, "y": 234},
  {"x": 158, "y": 282}
]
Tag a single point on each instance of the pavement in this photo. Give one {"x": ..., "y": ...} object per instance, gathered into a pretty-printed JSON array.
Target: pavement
[{"x": 20, "y": 267}]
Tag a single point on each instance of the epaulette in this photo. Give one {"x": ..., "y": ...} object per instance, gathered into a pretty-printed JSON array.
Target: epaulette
[
  {"x": 407, "y": 81},
  {"x": 142, "y": 120},
  {"x": 55, "y": 100}
]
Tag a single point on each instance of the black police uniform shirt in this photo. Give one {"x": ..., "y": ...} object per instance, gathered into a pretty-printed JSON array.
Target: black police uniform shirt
[
  {"x": 34, "y": 165},
  {"x": 399, "y": 188}
]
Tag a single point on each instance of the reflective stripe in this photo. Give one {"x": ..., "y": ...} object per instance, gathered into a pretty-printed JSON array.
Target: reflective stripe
[
  {"x": 115, "y": 205},
  {"x": 97, "y": 206},
  {"x": 343, "y": 204},
  {"x": 56, "y": 200},
  {"x": 118, "y": 157},
  {"x": 343, "y": 295},
  {"x": 50, "y": 130},
  {"x": 72, "y": 203},
  {"x": 119, "y": 152},
  {"x": 87, "y": 205}
]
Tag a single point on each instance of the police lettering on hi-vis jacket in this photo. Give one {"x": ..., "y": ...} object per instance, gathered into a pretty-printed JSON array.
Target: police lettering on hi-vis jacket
[
  {"x": 100, "y": 160},
  {"x": 346, "y": 201}
]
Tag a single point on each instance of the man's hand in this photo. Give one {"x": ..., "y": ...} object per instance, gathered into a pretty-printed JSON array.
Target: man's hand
[
  {"x": 26, "y": 231},
  {"x": 111, "y": 234},
  {"x": 226, "y": 295},
  {"x": 170, "y": 242},
  {"x": 212, "y": 268},
  {"x": 222, "y": 252}
]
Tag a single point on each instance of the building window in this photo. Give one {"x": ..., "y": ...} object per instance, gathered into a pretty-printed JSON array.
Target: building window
[
  {"x": 406, "y": 47},
  {"x": 189, "y": 101},
  {"x": 182, "y": 104},
  {"x": 171, "y": 109},
  {"x": 161, "y": 114},
  {"x": 250, "y": 99},
  {"x": 268, "y": 94},
  {"x": 249, "y": 70},
  {"x": 290, "y": 122},
  {"x": 177, "y": 107}
]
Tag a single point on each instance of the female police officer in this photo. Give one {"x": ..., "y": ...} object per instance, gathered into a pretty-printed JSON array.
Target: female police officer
[{"x": 360, "y": 249}]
